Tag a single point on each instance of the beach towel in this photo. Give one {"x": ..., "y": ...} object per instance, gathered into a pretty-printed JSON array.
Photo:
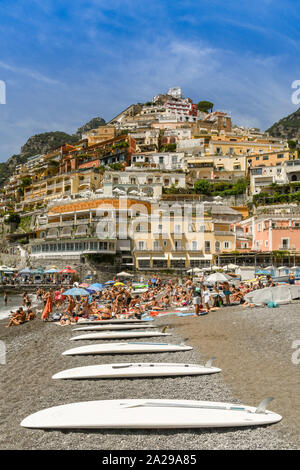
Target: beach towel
[{"x": 47, "y": 309}]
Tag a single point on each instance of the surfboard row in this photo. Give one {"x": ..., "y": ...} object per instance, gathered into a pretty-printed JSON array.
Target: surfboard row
[{"x": 141, "y": 414}]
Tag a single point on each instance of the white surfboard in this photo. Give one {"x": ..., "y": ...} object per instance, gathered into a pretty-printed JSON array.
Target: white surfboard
[
  {"x": 126, "y": 348},
  {"x": 113, "y": 327},
  {"x": 148, "y": 414},
  {"x": 119, "y": 335},
  {"x": 128, "y": 370},
  {"x": 113, "y": 321}
]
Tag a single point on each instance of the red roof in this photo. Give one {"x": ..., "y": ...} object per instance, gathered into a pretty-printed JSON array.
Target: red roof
[{"x": 93, "y": 163}]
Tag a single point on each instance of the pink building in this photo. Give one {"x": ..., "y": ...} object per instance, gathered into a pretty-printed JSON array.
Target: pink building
[{"x": 274, "y": 228}]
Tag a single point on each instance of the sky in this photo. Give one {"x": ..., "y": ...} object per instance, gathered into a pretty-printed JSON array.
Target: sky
[{"x": 63, "y": 63}]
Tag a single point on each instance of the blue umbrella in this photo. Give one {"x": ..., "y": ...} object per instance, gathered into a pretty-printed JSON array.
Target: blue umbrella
[
  {"x": 52, "y": 271},
  {"x": 25, "y": 271},
  {"x": 76, "y": 291},
  {"x": 262, "y": 271},
  {"x": 110, "y": 282},
  {"x": 96, "y": 286}
]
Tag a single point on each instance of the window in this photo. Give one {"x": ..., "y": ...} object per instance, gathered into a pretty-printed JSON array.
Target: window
[
  {"x": 285, "y": 243},
  {"x": 141, "y": 245},
  {"x": 227, "y": 245},
  {"x": 280, "y": 155},
  {"x": 259, "y": 228},
  {"x": 207, "y": 246},
  {"x": 156, "y": 246},
  {"x": 266, "y": 244},
  {"x": 177, "y": 245},
  {"x": 217, "y": 246},
  {"x": 178, "y": 229},
  {"x": 265, "y": 157},
  {"x": 256, "y": 158},
  {"x": 174, "y": 159},
  {"x": 194, "y": 245}
]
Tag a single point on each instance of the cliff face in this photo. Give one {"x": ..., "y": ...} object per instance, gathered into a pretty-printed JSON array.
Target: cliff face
[
  {"x": 287, "y": 128},
  {"x": 43, "y": 143}
]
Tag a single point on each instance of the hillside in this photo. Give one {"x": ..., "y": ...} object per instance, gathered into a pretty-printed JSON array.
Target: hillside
[
  {"x": 287, "y": 128},
  {"x": 43, "y": 143}
]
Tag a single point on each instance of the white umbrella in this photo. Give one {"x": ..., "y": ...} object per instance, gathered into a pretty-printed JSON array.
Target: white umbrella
[
  {"x": 134, "y": 192},
  {"x": 194, "y": 270},
  {"x": 216, "y": 277},
  {"x": 283, "y": 267},
  {"x": 124, "y": 274},
  {"x": 268, "y": 268},
  {"x": 295, "y": 267}
]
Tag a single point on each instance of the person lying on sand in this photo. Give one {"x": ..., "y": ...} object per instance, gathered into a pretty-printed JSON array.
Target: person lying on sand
[
  {"x": 65, "y": 320},
  {"x": 17, "y": 318},
  {"x": 30, "y": 315}
]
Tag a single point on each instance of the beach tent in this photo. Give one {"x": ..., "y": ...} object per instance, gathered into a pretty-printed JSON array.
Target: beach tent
[
  {"x": 216, "y": 277},
  {"x": 279, "y": 294},
  {"x": 76, "y": 291}
]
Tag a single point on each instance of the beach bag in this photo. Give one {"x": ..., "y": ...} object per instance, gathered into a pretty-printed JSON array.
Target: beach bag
[{"x": 56, "y": 316}]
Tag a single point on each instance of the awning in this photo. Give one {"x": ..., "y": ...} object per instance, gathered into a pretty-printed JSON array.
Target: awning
[
  {"x": 177, "y": 256},
  {"x": 200, "y": 257},
  {"x": 143, "y": 257},
  {"x": 160, "y": 257}
]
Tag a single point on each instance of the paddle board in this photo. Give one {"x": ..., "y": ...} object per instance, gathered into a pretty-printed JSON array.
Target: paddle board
[
  {"x": 126, "y": 348},
  {"x": 120, "y": 335},
  {"x": 149, "y": 414},
  {"x": 113, "y": 321},
  {"x": 146, "y": 369},
  {"x": 112, "y": 327}
]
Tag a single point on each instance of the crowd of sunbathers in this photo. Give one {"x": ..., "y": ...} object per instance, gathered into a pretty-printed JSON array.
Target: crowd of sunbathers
[{"x": 121, "y": 301}]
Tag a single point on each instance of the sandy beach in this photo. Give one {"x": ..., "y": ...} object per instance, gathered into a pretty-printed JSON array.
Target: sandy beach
[{"x": 252, "y": 346}]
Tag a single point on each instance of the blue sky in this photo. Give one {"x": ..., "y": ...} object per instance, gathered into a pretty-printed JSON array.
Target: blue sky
[{"x": 66, "y": 62}]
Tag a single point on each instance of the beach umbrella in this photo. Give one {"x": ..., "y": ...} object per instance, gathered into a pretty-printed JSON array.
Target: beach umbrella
[
  {"x": 230, "y": 266},
  {"x": 282, "y": 267},
  {"x": 25, "y": 271},
  {"x": 119, "y": 284},
  {"x": 110, "y": 282},
  {"x": 262, "y": 271},
  {"x": 194, "y": 270},
  {"x": 76, "y": 291},
  {"x": 124, "y": 274},
  {"x": 216, "y": 277},
  {"x": 84, "y": 284},
  {"x": 95, "y": 287},
  {"x": 295, "y": 267},
  {"x": 68, "y": 270},
  {"x": 51, "y": 271}
]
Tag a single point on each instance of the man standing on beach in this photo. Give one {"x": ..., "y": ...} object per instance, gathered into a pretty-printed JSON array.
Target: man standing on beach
[{"x": 196, "y": 299}]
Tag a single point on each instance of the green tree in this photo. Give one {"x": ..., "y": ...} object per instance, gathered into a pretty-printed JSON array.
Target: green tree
[
  {"x": 203, "y": 187},
  {"x": 205, "y": 106},
  {"x": 292, "y": 144}
]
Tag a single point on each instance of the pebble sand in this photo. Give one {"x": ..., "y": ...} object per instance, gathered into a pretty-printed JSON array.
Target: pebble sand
[{"x": 253, "y": 347}]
